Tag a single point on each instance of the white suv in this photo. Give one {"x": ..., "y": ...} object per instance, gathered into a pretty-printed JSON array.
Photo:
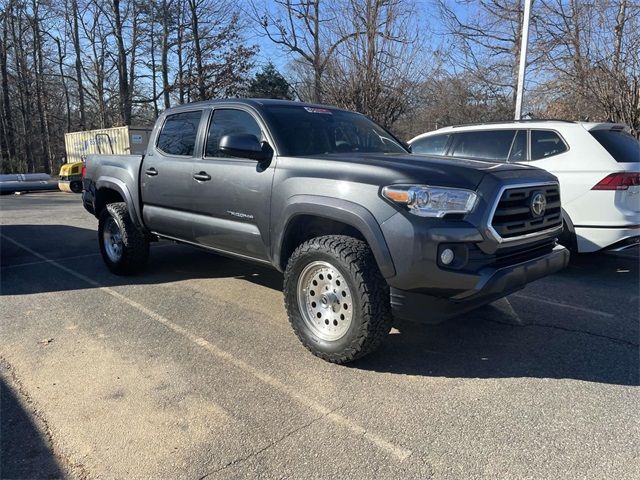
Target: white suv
[{"x": 597, "y": 164}]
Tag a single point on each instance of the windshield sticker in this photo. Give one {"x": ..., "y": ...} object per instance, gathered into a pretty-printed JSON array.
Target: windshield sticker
[{"x": 317, "y": 110}]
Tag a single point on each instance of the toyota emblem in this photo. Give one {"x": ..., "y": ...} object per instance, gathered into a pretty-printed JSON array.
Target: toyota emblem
[{"x": 538, "y": 204}]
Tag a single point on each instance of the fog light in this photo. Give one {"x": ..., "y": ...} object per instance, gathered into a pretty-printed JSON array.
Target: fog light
[{"x": 446, "y": 257}]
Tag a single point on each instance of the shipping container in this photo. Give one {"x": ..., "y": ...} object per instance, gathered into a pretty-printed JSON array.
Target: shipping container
[{"x": 107, "y": 141}]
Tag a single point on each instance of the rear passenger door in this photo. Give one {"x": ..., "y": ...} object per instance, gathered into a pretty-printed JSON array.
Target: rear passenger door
[
  {"x": 231, "y": 195},
  {"x": 166, "y": 178}
]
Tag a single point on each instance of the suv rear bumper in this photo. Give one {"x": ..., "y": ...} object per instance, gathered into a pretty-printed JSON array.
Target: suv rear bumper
[
  {"x": 592, "y": 239},
  {"x": 490, "y": 285}
]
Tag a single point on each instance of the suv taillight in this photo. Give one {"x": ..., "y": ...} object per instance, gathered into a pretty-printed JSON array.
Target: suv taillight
[{"x": 618, "y": 181}]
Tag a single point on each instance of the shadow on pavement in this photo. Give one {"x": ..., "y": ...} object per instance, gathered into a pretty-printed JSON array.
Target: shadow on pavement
[
  {"x": 547, "y": 341},
  {"x": 526, "y": 337},
  {"x": 168, "y": 262},
  {"x": 24, "y": 453}
]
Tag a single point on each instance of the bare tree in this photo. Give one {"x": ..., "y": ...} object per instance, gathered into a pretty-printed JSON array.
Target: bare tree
[
  {"x": 305, "y": 30},
  {"x": 376, "y": 70},
  {"x": 75, "y": 36}
]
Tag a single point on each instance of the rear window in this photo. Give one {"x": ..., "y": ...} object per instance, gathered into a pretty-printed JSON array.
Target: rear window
[
  {"x": 435, "y": 145},
  {"x": 178, "y": 135},
  {"x": 620, "y": 145},
  {"x": 484, "y": 145}
]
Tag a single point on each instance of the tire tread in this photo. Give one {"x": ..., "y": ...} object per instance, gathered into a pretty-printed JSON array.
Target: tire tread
[{"x": 371, "y": 288}]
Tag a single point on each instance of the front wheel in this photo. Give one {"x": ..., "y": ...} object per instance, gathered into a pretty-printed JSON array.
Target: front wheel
[
  {"x": 336, "y": 299},
  {"x": 124, "y": 247}
]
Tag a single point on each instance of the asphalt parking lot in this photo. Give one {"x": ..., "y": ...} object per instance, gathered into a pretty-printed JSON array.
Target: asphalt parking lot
[{"x": 191, "y": 370}]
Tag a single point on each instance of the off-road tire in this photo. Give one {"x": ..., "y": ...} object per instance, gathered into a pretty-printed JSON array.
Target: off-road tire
[
  {"x": 371, "y": 320},
  {"x": 135, "y": 250}
]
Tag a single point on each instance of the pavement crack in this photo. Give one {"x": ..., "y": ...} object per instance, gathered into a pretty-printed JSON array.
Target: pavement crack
[
  {"x": 273, "y": 443},
  {"x": 572, "y": 330}
]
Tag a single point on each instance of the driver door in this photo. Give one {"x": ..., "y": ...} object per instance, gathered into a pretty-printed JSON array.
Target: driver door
[{"x": 231, "y": 196}]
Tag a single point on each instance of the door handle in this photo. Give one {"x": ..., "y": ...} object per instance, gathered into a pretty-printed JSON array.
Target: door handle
[
  {"x": 152, "y": 172},
  {"x": 202, "y": 176}
]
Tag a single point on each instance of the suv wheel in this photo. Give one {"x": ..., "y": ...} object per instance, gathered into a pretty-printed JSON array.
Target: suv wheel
[
  {"x": 124, "y": 247},
  {"x": 336, "y": 299}
]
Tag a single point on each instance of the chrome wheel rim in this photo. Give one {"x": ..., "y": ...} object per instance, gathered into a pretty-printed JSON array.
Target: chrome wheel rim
[
  {"x": 112, "y": 239},
  {"x": 325, "y": 301}
]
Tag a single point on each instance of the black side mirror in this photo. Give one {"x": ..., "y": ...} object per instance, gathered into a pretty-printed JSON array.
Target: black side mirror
[{"x": 243, "y": 145}]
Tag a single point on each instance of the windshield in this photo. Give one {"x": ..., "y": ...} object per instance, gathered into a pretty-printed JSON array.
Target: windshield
[
  {"x": 305, "y": 130},
  {"x": 622, "y": 146}
]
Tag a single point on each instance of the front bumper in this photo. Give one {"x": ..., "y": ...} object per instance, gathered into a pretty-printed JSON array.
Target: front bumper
[{"x": 492, "y": 284}]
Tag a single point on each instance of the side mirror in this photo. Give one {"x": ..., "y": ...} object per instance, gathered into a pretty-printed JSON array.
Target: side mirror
[{"x": 243, "y": 145}]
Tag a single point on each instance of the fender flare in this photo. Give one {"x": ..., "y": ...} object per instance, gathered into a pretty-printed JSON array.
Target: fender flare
[
  {"x": 119, "y": 186},
  {"x": 339, "y": 210}
]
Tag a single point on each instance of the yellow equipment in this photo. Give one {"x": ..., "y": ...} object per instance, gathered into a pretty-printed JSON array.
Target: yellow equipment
[
  {"x": 70, "y": 178},
  {"x": 113, "y": 141}
]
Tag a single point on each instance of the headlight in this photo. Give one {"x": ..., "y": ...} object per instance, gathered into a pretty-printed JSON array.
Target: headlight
[{"x": 426, "y": 201}]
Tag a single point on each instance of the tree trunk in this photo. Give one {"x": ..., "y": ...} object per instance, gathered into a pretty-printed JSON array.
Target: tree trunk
[
  {"x": 38, "y": 71},
  {"x": 197, "y": 51},
  {"x": 618, "y": 35},
  {"x": 154, "y": 69},
  {"x": 7, "y": 116},
  {"x": 24, "y": 95},
  {"x": 180, "y": 46},
  {"x": 65, "y": 88},
  {"x": 78, "y": 63},
  {"x": 165, "y": 54},
  {"x": 123, "y": 78}
]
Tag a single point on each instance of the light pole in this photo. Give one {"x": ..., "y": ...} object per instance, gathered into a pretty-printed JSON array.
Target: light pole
[{"x": 523, "y": 57}]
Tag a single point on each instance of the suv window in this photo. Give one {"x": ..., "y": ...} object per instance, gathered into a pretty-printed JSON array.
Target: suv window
[
  {"x": 484, "y": 144},
  {"x": 178, "y": 135},
  {"x": 545, "y": 143},
  {"x": 229, "y": 122},
  {"x": 435, "y": 145},
  {"x": 621, "y": 145},
  {"x": 519, "y": 147}
]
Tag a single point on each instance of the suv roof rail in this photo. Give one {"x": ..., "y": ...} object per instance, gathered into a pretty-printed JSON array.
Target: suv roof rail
[{"x": 525, "y": 120}]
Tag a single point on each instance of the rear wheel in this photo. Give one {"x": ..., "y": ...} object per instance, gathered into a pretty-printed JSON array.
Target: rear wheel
[
  {"x": 336, "y": 299},
  {"x": 124, "y": 247}
]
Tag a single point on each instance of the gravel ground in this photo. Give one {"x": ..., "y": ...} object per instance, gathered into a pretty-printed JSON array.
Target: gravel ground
[{"x": 191, "y": 370}]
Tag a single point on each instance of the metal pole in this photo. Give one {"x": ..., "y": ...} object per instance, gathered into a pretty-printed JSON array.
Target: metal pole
[{"x": 523, "y": 57}]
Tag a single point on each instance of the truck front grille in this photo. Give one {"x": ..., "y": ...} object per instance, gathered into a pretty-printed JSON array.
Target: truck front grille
[{"x": 516, "y": 215}]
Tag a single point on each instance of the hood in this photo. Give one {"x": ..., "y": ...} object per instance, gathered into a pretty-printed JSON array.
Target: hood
[{"x": 424, "y": 169}]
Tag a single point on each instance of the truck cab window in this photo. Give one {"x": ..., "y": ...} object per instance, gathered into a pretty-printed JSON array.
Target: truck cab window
[
  {"x": 545, "y": 143},
  {"x": 229, "y": 122},
  {"x": 435, "y": 145},
  {"x": 178, "y": 135}
]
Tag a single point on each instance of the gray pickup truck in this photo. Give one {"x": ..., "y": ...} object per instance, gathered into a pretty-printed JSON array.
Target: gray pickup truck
[{"x": 363, "y": 230}]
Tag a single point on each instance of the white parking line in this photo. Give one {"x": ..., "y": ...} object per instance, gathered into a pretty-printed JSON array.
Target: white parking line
[
  {"x": 338, "y": 419},
  {"x": 40, "y": 262},
  {"x": 62, "y": 259},
  {"x": 557, "y": 303}
]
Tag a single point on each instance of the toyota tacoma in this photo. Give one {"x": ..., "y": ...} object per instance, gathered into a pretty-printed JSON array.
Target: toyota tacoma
[{"x": 363, "y": 230}]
